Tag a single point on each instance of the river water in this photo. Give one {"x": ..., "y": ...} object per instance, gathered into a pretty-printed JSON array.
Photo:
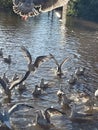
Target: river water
[{"x": 42, "y": 35}]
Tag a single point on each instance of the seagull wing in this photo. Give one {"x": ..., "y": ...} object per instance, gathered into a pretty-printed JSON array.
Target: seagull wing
[
  {"x": 56, "y": 62},
  {"x": 27, "y": 54},
  {"x": 53, "y": 111},
  {"x": 65, "y": 60},
  {"x": 4, "y": 120},
  {"x": 3, "y": 84},
  {"x": 20, "y": 80},
  {"x": 26, "y": 7},
  {"x": 17, "y": 107},
  {"x": 40, "y": 59}
]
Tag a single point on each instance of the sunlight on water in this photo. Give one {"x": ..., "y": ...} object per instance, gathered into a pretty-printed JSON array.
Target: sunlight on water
[{"x": 42, "y": 35}]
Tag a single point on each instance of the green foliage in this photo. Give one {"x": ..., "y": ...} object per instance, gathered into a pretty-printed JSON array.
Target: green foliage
[
  {"x": 71, "y": 8},
  {"x": 85, "y": 8},
  {"x": 5, "y": 4}
]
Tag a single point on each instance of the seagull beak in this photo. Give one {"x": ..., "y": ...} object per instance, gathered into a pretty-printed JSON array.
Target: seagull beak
[{"x": 7, "y": 123}]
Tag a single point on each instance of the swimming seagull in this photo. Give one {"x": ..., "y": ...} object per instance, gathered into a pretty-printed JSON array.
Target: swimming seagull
[
  {"x": 22, "y": 87},
  {"x": 79, "y": 116},
  {"x": 43, "y": 117},
  {"x": 43, "y": 85},
  {"x": 72, "y": 80},
  {"x": 5, "y": 115},
  {"x": 37, "y": 91},
  {"x": 65, "y": 102},
  {"x": 59, "y": 70},
  {"x": 38, "y": 61},
  {"x": 60, "y": 92},
  {"x": 15, "y": 77},
  {"x": 29, "y": 8},
  {"x": 80, "y": 71},
  {"x": 7, "y": 59}
]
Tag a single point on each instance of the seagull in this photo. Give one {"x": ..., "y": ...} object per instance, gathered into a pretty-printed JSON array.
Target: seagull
[
  {"x": 43, "y": 117},
  {"x": 37, "y": 91},
  {"x": 38, "y": 61},
  {"x": 72, "y": 80},
  {"x": 60, "y": 92},
  {"x": 5, "y": 115},
  {"x": 80, "y": 71},
  {"x": 5, "y": 86},
  {"x": 5, "y": 78},
  {"x": 22, "y": 87},
  {"x": 8, "y": 87},
  {"x": 43, "y": 85},
  {"x": 79, "y": 116},
  {"x": 15, "y": 77},
  {"x": 29, "y": 8},
  {"x": 19, "y": 80},
  {"x": 7, "y": 59},
  {"x": 59, "y": 70},
  {"x": 65, "y": 102}
]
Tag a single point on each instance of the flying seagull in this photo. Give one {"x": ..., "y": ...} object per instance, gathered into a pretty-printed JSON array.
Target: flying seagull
[
  {"x": 38, "y": 61},
  {"x": 29, "y": 8},
  {"x": 5, "y": 115}
]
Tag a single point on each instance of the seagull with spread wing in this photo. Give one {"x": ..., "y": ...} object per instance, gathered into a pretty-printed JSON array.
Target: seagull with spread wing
[
  {"x": 38, "y": 61},
  {"x": 29, "y": 8},
  {"x": 31, "y": 67},
  {"x": 43, "y": 117},
  {"x": 59, "y": 69},
  {"x": 79, "y": 116},
  {"x": 5, "y": 115},
  {"x": 9, "y": 86}
]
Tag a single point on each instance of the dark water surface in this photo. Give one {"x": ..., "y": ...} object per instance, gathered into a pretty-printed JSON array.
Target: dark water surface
[{"x": 43, "y": 35}]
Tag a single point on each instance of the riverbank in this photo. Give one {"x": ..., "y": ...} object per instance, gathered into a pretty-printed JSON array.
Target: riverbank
[{"x": 79, "y": 8}]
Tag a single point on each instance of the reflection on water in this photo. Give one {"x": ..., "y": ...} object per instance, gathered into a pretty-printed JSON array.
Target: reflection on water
[{"x": 43, "y": 35}]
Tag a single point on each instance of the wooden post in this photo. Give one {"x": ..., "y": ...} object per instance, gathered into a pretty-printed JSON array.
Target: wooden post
[{"x": 64, "y": 13}]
